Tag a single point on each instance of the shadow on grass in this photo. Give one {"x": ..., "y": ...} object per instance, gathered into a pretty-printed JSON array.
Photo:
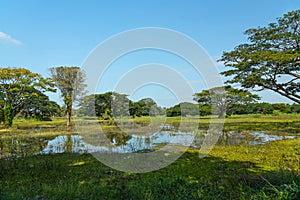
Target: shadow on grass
[{"x": 74, "y": 176}]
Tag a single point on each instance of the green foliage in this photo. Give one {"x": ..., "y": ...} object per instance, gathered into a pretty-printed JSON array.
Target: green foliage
[
  {"x": 111, "y": 105},
  {"x": 119, "y": 105},
  {"x": 18, "y": 86},
  {"x": 295, "y": 108},
  {"x": 145, "y": 107},
  {"x": 107, "y": 105},
  {"x": 264, "y": 108},
  {"x": 70, "y": 82},
  {"x": 224, "y": 99},
  {"x": 270, "y": 60},
  {"x": 41, "y": 108},
  {"x": 9, "y": 115},
  {"x": 2, "y": 117},
  {"x": 185, "y": 109}
]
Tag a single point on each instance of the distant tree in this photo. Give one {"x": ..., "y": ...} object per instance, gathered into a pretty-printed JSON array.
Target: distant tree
[
  {"x": 112, "y": 105},
  {"x": 18, "y": 86},
  {"x": 95, "y": 105},
  {"x": 119, "y": 105},
  {"x": 134, "y": 109},
  {"x": 145, "y": 107},
  {"x": 174, "y": 111},
  {"x": 70, "y": 82},
  {"x": 262, "y": 108},
  {"x": 205, "y": 109},
  {"x": 271, "y": 60},
  {"x": 183, "y": 109},
  {"x": 282, "y": 107},
  {"x": 295, "y": 108},
  {"x": 86, "y": 106},
  {"x": 224, "y": 98},
  {"x": 107, "y": 105}
]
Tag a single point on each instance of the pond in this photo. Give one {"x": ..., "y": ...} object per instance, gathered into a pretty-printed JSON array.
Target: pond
[{"x": 129, "y": 143}]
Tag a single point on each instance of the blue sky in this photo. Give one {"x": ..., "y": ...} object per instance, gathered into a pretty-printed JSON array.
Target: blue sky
[{"x": 41, "y": 34}]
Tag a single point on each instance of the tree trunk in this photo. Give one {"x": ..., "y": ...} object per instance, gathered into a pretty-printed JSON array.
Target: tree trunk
[
  {"x": 222, "y": 114},
  {"x": 69, "y": 115},
  {"x": 2, "y": 117},
  {"x": 8, "y": 116}
]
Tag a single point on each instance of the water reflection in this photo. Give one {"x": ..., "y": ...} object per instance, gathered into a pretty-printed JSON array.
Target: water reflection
[
  {"x": 123, "y": 143},
  {"x": 23, "y": 146},
  {"x": 159, "y": 139}
]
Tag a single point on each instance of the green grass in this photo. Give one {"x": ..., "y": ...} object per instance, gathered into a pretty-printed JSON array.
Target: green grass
[
  {"x": 269, "y": 171},
  {"x": 260, "y": 172},
  {"x": 285, "y": 122}
]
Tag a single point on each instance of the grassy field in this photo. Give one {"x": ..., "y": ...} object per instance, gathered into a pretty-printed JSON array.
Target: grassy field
[
  {"x": 284, "y": 123},
  {"x": 269, "y": 171}
]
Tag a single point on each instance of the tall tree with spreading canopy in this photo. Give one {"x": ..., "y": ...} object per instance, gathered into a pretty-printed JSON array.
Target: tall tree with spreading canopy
[
  {"x": 271, "y": 60},
  {"x": 70, "y": 82},
  {"x": 224, "y": 98},
  {"x": 40, "y": 108},
  {"x": 18, "y": 86}
]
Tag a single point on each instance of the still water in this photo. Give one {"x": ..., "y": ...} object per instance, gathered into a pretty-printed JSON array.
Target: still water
[{"x": 128, "y": 143}]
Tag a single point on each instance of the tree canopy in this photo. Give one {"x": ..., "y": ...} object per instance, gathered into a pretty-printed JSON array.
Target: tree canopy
[
  {"x": 70, "y": 82},
  {"x": 183, "y": 109},
  {"x": 271, "y": 60},
  {"x": 224, "y": 98},
  {"x": 18, "y": 86},
  {"x": 112, "y": 104},
  {"x": 41, "y": 108},
  {"x": 145, "y": 107}
]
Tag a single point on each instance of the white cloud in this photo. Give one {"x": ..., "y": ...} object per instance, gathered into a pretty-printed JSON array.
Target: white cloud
[{"x": 8, "y": 38}]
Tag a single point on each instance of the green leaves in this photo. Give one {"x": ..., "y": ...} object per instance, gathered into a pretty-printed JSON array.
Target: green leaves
[
  {"x": 70, "y": 82},
  {"x": 224, "y": 98},
  {"x": 18, "y": 86},
  {"x": 271, "y": 60}
]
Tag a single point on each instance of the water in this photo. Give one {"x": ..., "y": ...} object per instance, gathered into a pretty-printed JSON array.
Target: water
[
  {"x": 134, "y": 144},
  {"x": 128, "y": 143}
]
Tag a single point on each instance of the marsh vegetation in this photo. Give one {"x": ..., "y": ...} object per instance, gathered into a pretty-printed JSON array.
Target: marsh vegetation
[{"x": 46, "y": 160}]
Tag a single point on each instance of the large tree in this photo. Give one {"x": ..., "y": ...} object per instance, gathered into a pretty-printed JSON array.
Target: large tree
[
  {"x": 41, "y": 108},
  {"x": 145, "y": 107},
  {"x": 271, "y": 60},
  {"x": 18, "y": 86},
  {"x": 224, "y": 98},
  {"x": 107, "y": 105},
  {"x": 70, "y": 82}
]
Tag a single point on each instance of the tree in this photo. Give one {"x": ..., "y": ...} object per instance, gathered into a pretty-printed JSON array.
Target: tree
[
  {"x": 40, "y": 108},
  {"x": 183, "y": 109},
  {"x": 107, "y": 105},
  {"x": 224, "y": 98},
  {"x": 119, "y": 105},
  {"x": 70, "y": 82},
  {"x": 18, "y": 86},
  {"x": 271, "y": 60},
  {"x": 145, "y": 107},
  {"x": 295, "y": 108}
]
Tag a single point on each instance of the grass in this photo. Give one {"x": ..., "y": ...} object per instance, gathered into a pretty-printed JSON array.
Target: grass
[
  {"x": 259, "y": 172},
  {"x": 269, "y": 171},
  {"x": 285, "y": 122}
]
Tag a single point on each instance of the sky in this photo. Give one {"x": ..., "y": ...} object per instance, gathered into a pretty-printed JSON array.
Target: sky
[{"x": 41, "y": 34}]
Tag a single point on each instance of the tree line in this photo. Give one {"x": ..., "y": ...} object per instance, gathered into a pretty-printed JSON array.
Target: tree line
[
  {"x": 111, "y": 104},
  {"x": 269, "y": 61},
  {"x": 192, "y": 109}
]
